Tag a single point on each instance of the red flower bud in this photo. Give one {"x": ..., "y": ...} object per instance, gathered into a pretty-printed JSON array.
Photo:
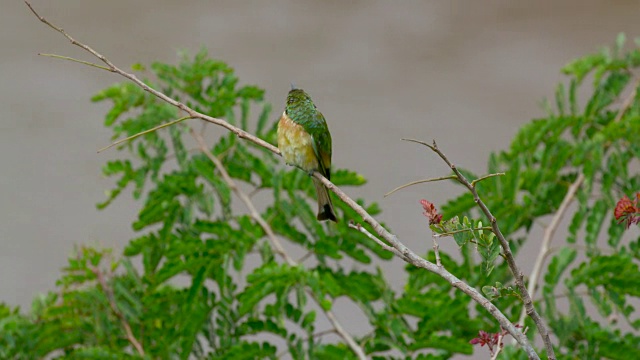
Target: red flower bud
[
  {"x": 627, "y": 211},
  {"x": 430, "y": 212}
]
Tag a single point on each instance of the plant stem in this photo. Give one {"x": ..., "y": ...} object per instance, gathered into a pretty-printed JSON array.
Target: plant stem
[
  {"x": 546, "y": 240},
  {"x": 508, "y": 255}
]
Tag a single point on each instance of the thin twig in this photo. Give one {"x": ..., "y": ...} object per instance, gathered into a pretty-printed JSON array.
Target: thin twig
[
  {"x": 279, "y": 249},
  {"x": 450, "y": 177},
  {"x": 114, "y": 307},
  {"x": 436, "y": 250},
  {"x": 474, "y": 182},
  {"x": 406, "y": 254},
  {"x": 255, "y": 191},
  {"x": 548, "y": 236},
  {"x": 432, "y": 147},
  {"x": 627, "y": 102},
  {"x": 76, "y": 60},
  {"x": 145, "y": 132},
  {"x": 499, "y": 346},
  {"x": 462, "y": 230},
  {"x": 382, "y": 244},
  {"x": 508, "y": 254},
  {"x": 323, "y": 333},
  {"x": 566, "y": 294},
  {"x": 304, "y": 257}
]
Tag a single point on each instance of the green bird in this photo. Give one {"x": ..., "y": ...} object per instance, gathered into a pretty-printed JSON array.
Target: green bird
[{"x": 304, "y": 141}]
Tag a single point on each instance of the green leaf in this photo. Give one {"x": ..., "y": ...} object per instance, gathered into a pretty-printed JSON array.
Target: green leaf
[
  {"x": 595, "y": 220},
  {"x": 457, "y": 207},
  {"x": 557, "y": 266}
]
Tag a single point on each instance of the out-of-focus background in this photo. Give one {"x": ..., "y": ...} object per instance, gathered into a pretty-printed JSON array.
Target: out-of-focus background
[{"x": 467, "y": 74}]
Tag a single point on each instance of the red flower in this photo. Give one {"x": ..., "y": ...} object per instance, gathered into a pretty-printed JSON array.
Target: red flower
[
  {"x": 485, "y": 338},
  {"x": 492, "y": 340},
  {"x": 430, "y": 212},
  {"x": 628, "y": 211}
]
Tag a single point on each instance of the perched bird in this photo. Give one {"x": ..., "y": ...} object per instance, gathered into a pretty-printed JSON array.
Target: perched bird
[{"x": 304, "y": 141}]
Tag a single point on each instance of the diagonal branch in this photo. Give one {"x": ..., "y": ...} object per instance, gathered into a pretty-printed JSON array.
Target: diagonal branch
[
  {"x": 628, "y": 101},
  {"x": 548, "y": 236},
  {"x": 279, "y": 249},
  {"x": 508, "y": 255},
  {"x": 407, "y": 254},
  {"x": 412, "y": 258},
  {"x": 114, "y": 307},
  {"x": 363, "y": 230}
]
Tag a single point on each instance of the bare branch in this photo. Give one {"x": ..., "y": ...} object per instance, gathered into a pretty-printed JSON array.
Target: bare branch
[
  {"x": 499, "y": 346},
  {"x": 450, "y": 177},
  {"x": 145, "y": 132},
  {"x": 382, "y": 244},
  {"x": 76, "y": 60},
  {"x": 279, "y": 249},
  {"x": 474, "y": 182},
  {"x": 548, "y": 236},
  {"x": 303, "y": 257},
  {"x": 436, "y": 250},
  {"x": 432, "y": 147},
  {"x": 628, "y": 101},
  {"x": 462, "y": 230},
  {"x": 508, "y": 255}
]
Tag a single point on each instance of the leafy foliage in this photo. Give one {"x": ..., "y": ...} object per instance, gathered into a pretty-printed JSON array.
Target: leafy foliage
[
  {"x": 598, "y": 140},
  {"x": 209, "y": 283},
  {"x": 203, "y": 280}
]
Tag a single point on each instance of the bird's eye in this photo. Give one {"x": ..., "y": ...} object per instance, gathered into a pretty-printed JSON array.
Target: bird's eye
[{"x": 290, "y": 100}]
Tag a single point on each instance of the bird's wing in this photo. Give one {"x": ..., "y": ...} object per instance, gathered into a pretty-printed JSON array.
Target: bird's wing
[{"x": 321, "y": 142}]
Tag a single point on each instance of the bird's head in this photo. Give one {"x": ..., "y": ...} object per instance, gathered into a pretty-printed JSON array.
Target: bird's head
[{"x": 298, "y": 100}]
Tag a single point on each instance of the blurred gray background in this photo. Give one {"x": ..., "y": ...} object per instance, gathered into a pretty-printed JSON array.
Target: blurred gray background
[{"x": 466, "y": 73}]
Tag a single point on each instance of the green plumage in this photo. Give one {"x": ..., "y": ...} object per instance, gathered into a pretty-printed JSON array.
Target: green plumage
[
  {"x": 301, "y": 109},
  {"x": 304, "y": 141}
]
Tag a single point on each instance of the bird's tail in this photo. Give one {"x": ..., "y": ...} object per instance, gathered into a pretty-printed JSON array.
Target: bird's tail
[{"x": 325, "y": 207}]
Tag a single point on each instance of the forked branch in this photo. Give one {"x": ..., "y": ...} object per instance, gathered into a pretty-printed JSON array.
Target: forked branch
[{"x": 508, "y": 254}]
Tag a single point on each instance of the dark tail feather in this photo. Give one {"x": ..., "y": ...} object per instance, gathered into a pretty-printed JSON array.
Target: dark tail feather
[{"x": 325, "y": 207}]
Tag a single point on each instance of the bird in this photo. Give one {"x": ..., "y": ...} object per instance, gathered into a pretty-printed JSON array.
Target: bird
[{"x": 304, "y": 141}]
